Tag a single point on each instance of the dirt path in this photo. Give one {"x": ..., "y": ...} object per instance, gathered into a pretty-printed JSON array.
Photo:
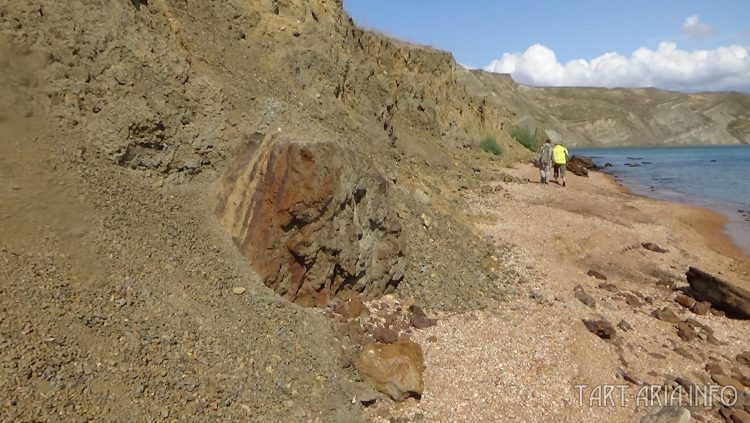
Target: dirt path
[{"x": 523, "y": 361}]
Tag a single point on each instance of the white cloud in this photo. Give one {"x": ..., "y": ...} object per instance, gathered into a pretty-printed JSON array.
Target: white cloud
[
  {"x": 693, "y": 27},
  {"x": 667, "y": 67}
]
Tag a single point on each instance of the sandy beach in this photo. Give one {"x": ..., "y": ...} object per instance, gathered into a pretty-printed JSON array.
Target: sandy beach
[{"x": 533, "y": 358}]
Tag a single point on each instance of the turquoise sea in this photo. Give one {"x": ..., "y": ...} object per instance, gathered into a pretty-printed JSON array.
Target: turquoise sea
[{"x": 715, "y": 177}]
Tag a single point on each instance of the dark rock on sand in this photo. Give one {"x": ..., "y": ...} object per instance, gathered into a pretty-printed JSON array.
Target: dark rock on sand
[
  {"x": 701, "y": 308},
  {"x": 624, "y": 326},
  {"x": 722, "y": 295},
  {"x": 419, "y": 319},
  {"x": 601, "y": 328},
  {"x": 666, "y": 314},
  {"x": 685, "y": 301},
  {"x": 597, "y": 275},
  {"x": 653, "y": 247},
  {"x": 584, "y": 296}
]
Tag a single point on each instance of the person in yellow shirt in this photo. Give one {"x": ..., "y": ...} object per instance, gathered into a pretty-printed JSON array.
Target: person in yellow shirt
[{"x": 560, "y": 157}]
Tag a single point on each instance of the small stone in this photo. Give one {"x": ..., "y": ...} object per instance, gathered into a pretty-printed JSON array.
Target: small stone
[
  {"x": 683, "y": 352},
  {"x": 601, "y": 328},
  {"x": 419, "y": 319},
  {"x": 584, "y": 297},
  {"x": 597, "y": 275},
  {"x": 701, "y": 308},
  {"x": 350, "y": 309},
  {"x": 238, "y": 290},
  {"x": 725, "y": 380},
  {"x": 385, "y": 334},
  {"x": 426, "y": 220},
  {"x": 625, "y": 326},
  {"x": 608, "y": 287},
  {"x": 685, "y": 301},
  {"x": 653, "y": 247},
  {"x": 632, "y": 300},
  {"x": 685, "y": 331},
  {"x": 715, "y": 369},
  {"x": 393, "y": 369},
  {"x": 666, "y": 314}
]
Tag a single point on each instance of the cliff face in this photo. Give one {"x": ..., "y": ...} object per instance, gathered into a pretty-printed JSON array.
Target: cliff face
[
  {"x": 134, "y": 115},
  {"x": 620, "y": 117}
]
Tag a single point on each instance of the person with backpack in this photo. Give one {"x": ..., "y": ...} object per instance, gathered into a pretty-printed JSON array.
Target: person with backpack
[
  {"x": 544, "y": 161},
  {"x": 560, "y": 157}
]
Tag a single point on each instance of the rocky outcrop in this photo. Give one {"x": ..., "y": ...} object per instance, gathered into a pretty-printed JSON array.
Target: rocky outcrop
[
  {"x": 314, "y": 220},
  {"x": 722, "y": 295},
  {"x": 393, "y": 369}
]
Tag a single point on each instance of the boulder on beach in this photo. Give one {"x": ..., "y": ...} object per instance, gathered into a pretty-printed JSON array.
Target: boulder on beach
[
  {"x": 580, "y": 165},
  {"x": 722, "y": 295}
]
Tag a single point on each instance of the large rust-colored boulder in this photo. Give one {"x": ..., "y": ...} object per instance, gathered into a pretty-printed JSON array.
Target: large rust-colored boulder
[
  {"x": 393, "y": 369},
  {"x": 313, "y": 218},
  {"x": 722, "y": 295}
]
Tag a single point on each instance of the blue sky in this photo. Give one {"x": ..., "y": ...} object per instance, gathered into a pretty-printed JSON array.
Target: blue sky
[{"x": 685, "y": 45}]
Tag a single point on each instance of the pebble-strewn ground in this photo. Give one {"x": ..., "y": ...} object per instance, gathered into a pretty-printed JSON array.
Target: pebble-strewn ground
[{"x": 523, "y": 360}]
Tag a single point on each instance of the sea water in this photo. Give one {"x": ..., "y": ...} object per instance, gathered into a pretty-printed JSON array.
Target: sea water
[{"x": 715, "y": 177}]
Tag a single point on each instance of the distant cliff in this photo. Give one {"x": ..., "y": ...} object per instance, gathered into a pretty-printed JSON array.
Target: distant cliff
[{"x": 619, "y": 116}]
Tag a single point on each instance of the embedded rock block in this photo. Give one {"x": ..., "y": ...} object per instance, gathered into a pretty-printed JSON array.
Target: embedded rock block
[{"x": 314, "y": 220}]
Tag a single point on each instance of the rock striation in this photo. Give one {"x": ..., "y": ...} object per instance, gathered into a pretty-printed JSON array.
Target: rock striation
[{"x": 314, "y": 220}]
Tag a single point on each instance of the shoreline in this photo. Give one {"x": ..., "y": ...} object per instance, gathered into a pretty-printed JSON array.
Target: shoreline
[
  {"x": 710, "y": 223},
  {"x": 580, "y": 255}
]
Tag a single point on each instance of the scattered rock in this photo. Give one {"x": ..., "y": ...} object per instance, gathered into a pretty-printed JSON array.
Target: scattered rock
[
  {"x": 632, "y": 300},
  {"x": 393, "y": 369},
  {"x": 667, "y": 415},
  {"x": 715, "y": 369},
  {"x": 577, "y": 165},
  {"x": 350, "y": 309},
  {"x": 685, "y": 301},
  {"x": 685, "y": 331},
  {"x": 625, "y": 326},
  {"x": 597, "y": 275},
  {"x": 725, "y": 380},
  {"x": 666, "y": 283},
  {"x": 653, "y": 247},
  {"x": 426, "y": 220},
  {"x": 385, "y": 334},
  {"x": 584, "y": 297},
  {"x": 419, "y": 319},
  {"x": 629, "y": 376},
  {"x": 717, "y": 313},
  {"x": 683, "y": 352},
  {"x": 601, "y": 328},
  {"x": 701, "y": 308},
  {"x": 666, "y": 314},
  {"x": 238, "y": 290},
  {"x": 722, "y": 295},
  {"x": 608, "y": 287}
]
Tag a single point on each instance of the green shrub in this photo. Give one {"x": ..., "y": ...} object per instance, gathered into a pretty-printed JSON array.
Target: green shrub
[
  {"x": 490, "y": 145},
  {"x": 526, "y": 137}
]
